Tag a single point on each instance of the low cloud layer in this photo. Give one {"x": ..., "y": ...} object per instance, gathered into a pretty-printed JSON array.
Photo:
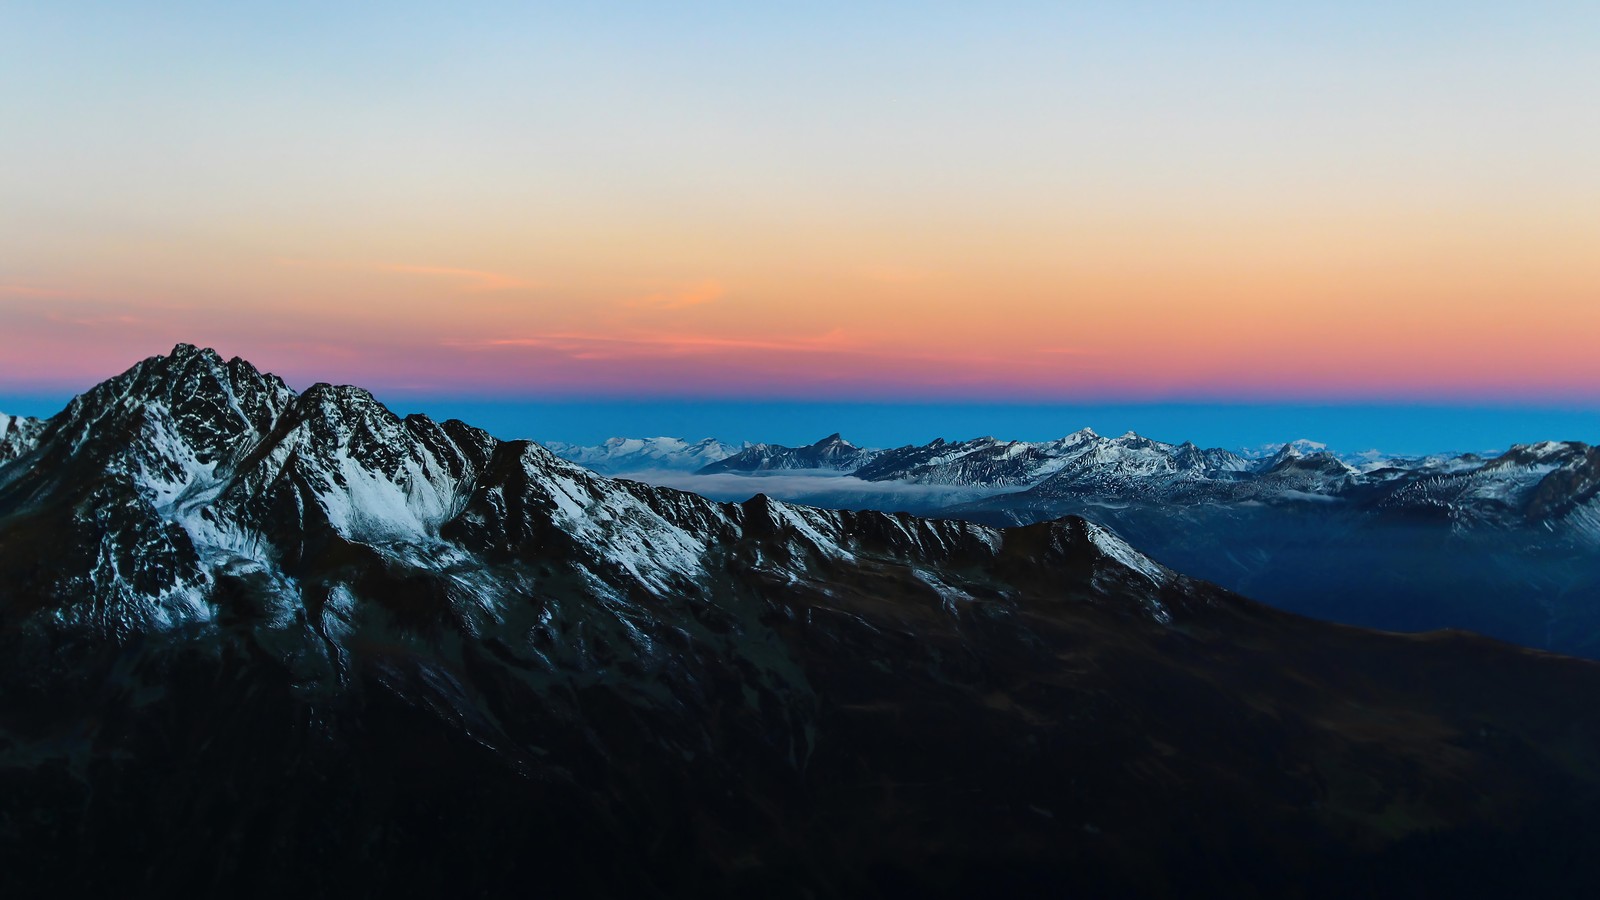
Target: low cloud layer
[{"x": 817, "y": 488}]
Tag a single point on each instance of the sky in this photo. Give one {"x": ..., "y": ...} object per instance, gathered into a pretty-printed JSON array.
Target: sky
[{"x": 569, "y": 209}]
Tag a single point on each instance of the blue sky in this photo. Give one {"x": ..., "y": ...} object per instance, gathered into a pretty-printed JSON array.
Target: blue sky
[
  {"x": 1405, "y": 429},
  {"x": 1395, "y": 429}
]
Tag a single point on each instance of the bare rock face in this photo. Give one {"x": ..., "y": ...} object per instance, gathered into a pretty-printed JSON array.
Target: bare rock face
[{"x": 261, "y": 643}]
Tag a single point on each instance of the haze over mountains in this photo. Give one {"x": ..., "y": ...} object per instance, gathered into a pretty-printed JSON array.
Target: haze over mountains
[
  {"x": 248, "y": 634},
  {"x": 1504, "y": 544}
]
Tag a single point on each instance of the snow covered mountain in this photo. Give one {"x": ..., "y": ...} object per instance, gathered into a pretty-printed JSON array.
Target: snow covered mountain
[
  {"x": 1131, "y": 466},
  {"x": 987, "y": 461},
  {"x": 983, "y": 461},
  {"x": 979, "y": 462},
  {"x": 1086, "y": 467},
  {"x": 832, "y": 453},
  {"x": 644, "y": 454},
  {"x": 1505, "y": 546},
  {"x": 17, "y": 435},
  {"x": 252, "y": 639},
  {"x": 1303, "y": 446},
  {"x": 1550, "y": 486},
  {"x": 1553, "y": 483}
]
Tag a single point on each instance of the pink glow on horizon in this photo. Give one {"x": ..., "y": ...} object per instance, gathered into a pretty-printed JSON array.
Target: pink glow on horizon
[
  {"x": 1242, "y": 314},
  {"x": 75, "y": 345}
]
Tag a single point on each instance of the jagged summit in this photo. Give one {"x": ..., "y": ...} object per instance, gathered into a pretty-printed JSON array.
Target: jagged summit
[{"x": 191, "y": 396}]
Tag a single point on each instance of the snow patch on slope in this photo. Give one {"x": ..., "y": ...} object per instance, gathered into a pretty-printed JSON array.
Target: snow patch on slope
[
  {"x": 616, "y": 525},
  {"x": 1121, "y": 551},
  {"x": 949, "y": 596}
]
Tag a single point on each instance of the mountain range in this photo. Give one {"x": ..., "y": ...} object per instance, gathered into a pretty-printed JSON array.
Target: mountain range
[
  {"x": 832, "y": 453},
  {"x": 259, "y": 642},
  {"x": 1553, "y": 485},
  {"x": 900, "y": 463},
  {"x": 1503, "y": 544},
  {"x": 1129, "y": 467}
]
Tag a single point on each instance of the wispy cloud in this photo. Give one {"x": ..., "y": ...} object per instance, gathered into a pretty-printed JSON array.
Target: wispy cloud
[
  {"x": 472, "y": 281},
  {"x": 698, "y": 294},
  {"x": 28, "y": 290},
  {"x": 121, "y": 320},
  {"x": 580, "y": 345},
  {"x": 475, "y": 281},
  {"x": 818, "y": 488}
]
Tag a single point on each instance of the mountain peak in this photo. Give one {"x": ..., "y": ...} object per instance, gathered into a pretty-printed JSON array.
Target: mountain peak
[
  {"x": 342, "y": 394},
  {"x": 18, "y": 434},
  {"x": 190, "y": 398},
  {"x": 185, "y": 350},
  {"x": 185, "y": 373}
]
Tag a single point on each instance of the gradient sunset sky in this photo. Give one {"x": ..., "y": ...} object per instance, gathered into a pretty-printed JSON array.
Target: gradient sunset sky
[{"x": 1043, "y": 203}]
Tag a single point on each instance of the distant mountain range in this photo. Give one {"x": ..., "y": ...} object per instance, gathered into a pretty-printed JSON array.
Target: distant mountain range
[
  {"x": 638, "y": 454},
  {"x": 264, "y": 643},
  {"x": 1552, "y": 484},
  {"x": 984, "y": 461},
  {"x": 1505, "y": 544},
  {"x": 833, "y": 453}
]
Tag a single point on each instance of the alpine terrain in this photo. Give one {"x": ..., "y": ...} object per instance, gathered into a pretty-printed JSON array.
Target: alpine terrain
[{"x": 266, "y": 643}]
